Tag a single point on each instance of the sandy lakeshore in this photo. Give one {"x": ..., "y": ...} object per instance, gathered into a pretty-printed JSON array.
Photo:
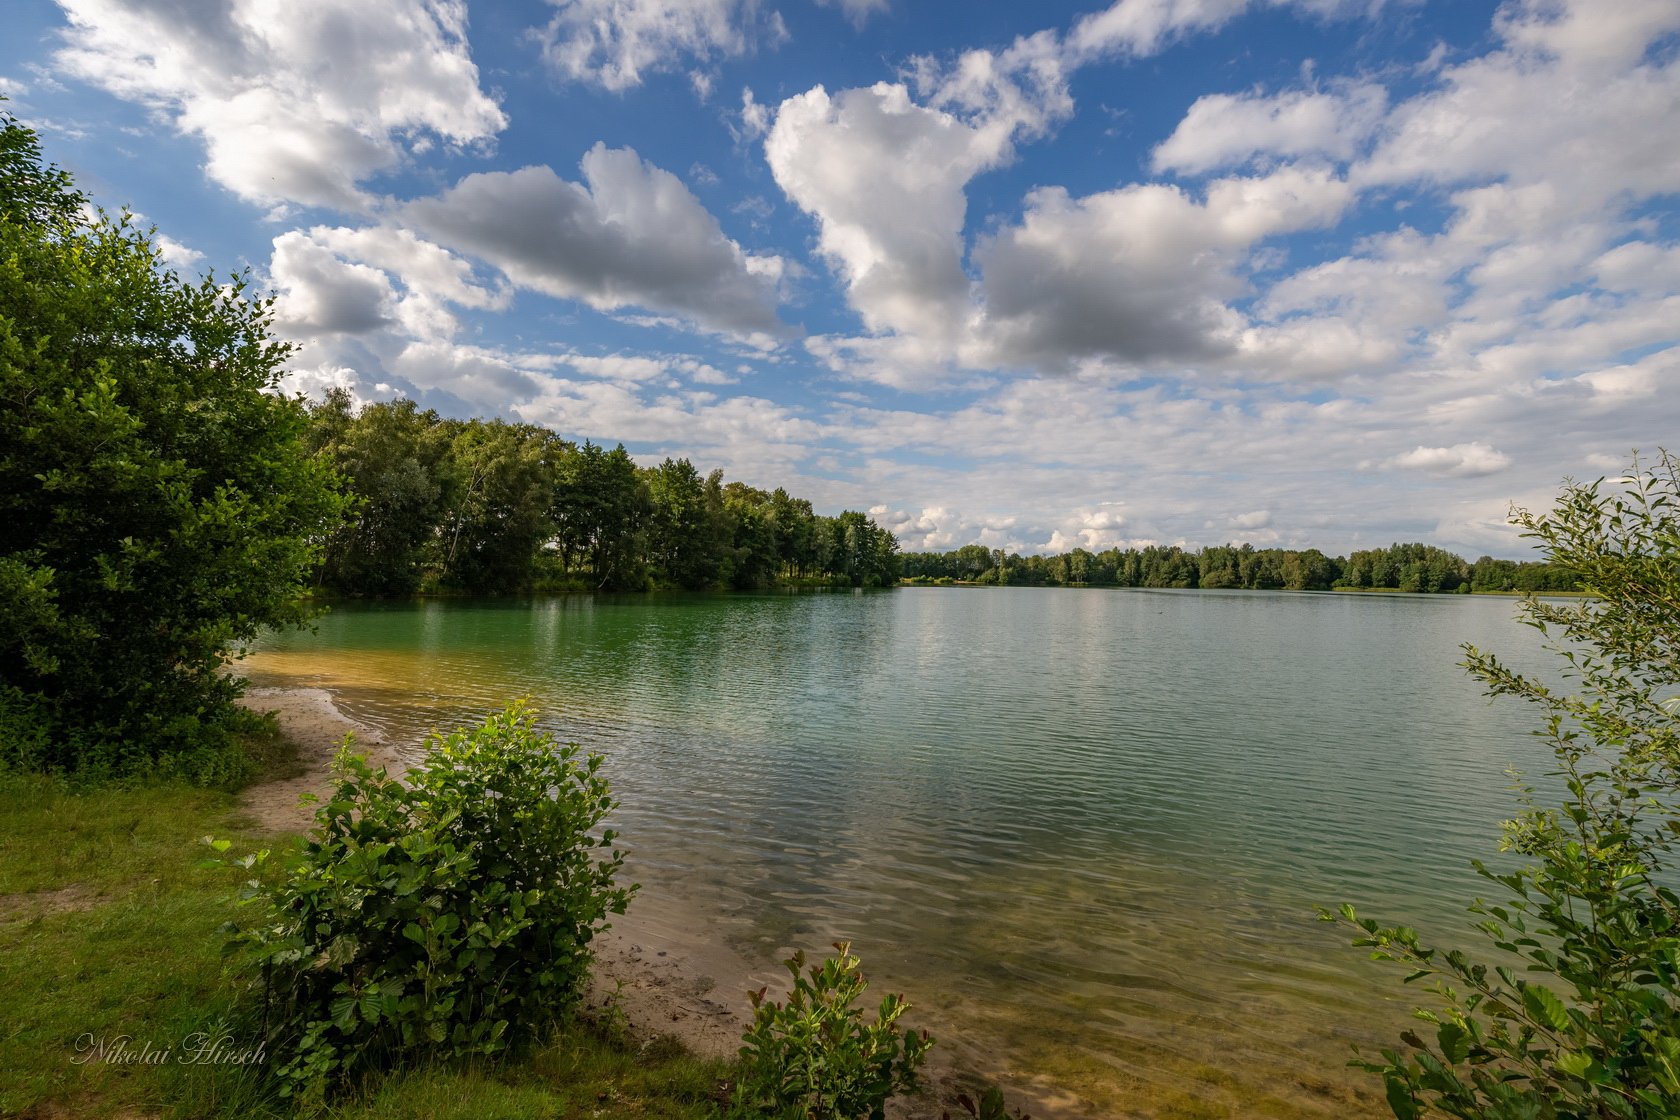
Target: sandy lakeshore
[
  {"x": 657, "y": 963},
  {"x": 662, "y": 964}
]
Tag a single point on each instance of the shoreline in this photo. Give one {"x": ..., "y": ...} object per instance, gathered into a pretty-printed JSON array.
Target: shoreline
[
  {"x": 660, "y": 964},
  {"x": 657, "y": 963}
]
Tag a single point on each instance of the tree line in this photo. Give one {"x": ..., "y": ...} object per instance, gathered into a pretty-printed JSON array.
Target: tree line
[
  {"x": 1399, "y": 567},
  {"x": 490, "y": 507}
]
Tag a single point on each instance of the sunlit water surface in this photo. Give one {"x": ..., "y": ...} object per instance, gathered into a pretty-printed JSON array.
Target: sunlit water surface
[{"x": 1084, "y": 831}]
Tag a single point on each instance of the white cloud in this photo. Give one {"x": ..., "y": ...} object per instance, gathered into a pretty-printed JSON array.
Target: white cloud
[
  {"x": 1639, "y": 266},
  {"x": 619, "y": 367},
  {"x": 885, "y": 179},
  {"x": 617, "y": 43},
  {"x": 295, "y": 103},
  {"x": 1642, "y": 380},
  {"x": 858, "y": 11},
  {"x": 357, "y": 281},
  {"x": 755, "y": 117},
  {"x": 1224, "y": 130},
  {"x": 630, "y": 235},
  {"x": 1588, "y": 34},
  {"x": 1143, "y": 273},
  {"x": 321, "y": 293},
  {"x": 751, "y": 438},
  {"x": 175, "y": 254},
  {"x": 1567, "y": 103},
  {"x": 885, "y": 176},
  {"x": 1462, "y": 460},
  {"x": 1144, "y": 27},
  {"x": 172, "y": 252},
  {"x": 1140, "y": 28}
]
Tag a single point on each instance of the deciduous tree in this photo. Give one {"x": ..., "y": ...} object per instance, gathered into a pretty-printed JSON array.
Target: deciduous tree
[{"x": 157, "y": 505}]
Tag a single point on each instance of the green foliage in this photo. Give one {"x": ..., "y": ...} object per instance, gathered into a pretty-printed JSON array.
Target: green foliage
[
  {"x": 448, "y": 916},
  {"x": 1580, "y": 1014},
  {"x": 814, "y": 1057},
  {"x": 487, "y": 507},
  {"x": 990, "y": 1106},
  {"x": 1399, "y": 567},
  {"x": 157, "y": 504},
  {"x": 600, "y": 506},
  {"x": 108, "y": 928}
]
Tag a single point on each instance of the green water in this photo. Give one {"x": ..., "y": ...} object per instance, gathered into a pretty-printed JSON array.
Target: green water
[{"x": 1084, "y": 831}]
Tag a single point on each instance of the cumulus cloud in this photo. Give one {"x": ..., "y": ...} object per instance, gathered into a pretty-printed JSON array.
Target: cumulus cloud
[
  {"x": 750, "y": 437},
  {"x": 933, "y": 529},
  {"x": 885, "y": 176},
  {"x": 337, "y": 281},
  {"x": 321, "y": 293},
  {"x": 1141, "y": 273},
  {"x": 175, "y": 254},
  {"x": 296, "y": 103},
  {"x": 1462, "y": 460},
  {"x": 1569, "y": 101},
  {"x": 1224, "y": 129},
  {"x": 629, "y": 235},
  {"x": 616, "y": 43}
]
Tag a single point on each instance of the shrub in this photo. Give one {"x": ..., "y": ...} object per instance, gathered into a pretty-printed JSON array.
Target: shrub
[
  {"x": 157, "y": 507},
  {"x": 445, "y": 917},
  {"x": 1581, "y": 1017},
  {"x": 815, "y": 1058}
]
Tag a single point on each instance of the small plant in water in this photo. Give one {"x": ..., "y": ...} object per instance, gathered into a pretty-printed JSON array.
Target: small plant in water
[
  {"x": 814, "y": 1057},
  {"x": 989, "y": 1107}
]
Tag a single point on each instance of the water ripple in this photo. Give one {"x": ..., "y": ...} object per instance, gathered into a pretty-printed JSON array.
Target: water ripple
[{"x": 1084, "y": 831}]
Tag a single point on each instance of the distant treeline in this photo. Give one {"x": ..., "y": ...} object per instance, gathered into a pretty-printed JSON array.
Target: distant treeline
[
  {"x": 1401, "y": 567},
  {"x": 488, "y": 507}
]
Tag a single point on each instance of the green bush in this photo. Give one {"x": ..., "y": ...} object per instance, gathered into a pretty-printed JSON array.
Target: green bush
[
  {"x": 1579, "y": 1016},
  {"x": 446, "y": 916},
  {"x": 815, "y": 1058},
  {"x": 157, "y": 506}
]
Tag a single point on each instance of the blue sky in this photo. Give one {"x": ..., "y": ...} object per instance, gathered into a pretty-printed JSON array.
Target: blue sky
[{"x": 1326, "y": 272}]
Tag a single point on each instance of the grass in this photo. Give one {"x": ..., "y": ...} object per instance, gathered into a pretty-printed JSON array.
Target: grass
[{"x": 108, "y": 930}]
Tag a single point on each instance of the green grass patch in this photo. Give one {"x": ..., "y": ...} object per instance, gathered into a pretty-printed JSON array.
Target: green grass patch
[{"x": 108, "y": 933}]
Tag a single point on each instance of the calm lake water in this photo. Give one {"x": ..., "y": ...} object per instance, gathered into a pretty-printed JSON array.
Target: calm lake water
[{"x": 1083, "y": 830}]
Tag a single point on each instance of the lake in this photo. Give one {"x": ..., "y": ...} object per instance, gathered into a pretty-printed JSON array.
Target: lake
[{"x": 1084, "y": 831}]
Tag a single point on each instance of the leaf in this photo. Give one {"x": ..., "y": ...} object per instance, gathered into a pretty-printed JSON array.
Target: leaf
[
  {"x": 1400, "y": 1099},
  {"x": 343, "y": 1012},
  {"x": 1454, "y": 1041},
  {"x": 1574, "y": 1063},
  {"x": 1544, "y": 1006}
]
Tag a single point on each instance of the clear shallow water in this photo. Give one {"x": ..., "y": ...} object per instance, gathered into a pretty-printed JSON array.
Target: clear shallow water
[{"x": 1084, "y": 830}]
